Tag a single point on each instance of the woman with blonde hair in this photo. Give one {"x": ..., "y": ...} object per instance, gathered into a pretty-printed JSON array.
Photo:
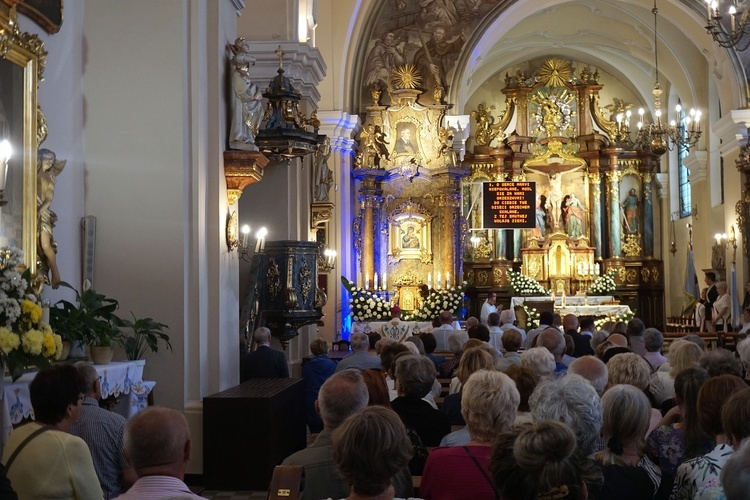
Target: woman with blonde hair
[
  {"x": 473, "y": 360},
  {"x": 630, "y": 368},
  {"x": 489, "y": 402},
  {"x": 628, "y": 473},
  {"x": 682, "y": 355}
]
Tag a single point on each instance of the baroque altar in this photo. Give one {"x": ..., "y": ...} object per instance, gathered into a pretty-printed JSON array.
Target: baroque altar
[{"x": 594, "y": 207}]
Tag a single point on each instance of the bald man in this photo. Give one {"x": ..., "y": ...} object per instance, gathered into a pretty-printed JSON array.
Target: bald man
[
  {"x": 158, "y": 448},
  {"x": 592, "y": 369}
]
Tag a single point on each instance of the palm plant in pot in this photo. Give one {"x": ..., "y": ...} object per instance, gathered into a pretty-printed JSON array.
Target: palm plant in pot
[
  {"x": 91, "y": 320},
  {"x": 142, "y": 334}
]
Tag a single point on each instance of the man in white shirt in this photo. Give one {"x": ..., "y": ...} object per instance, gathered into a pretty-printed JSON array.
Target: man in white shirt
[
  {"x": 488, "y": 307},
  {"x": 545, "y": 321},
  {"x": 441, "y": 333},
  {"x": 507, "y": 319}
]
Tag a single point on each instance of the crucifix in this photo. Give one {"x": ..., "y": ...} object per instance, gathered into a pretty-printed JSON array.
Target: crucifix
[{"x": 279, "y": 53}]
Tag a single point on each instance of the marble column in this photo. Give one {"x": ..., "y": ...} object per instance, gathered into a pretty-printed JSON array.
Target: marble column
[
  {"x": 595, "y": 190},
  {"x": 615, "y": 223},
  {"x": 370, "y": 200}
]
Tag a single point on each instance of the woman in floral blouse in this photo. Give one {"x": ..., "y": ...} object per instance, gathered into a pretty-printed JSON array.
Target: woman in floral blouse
[
  {"x": 701, "y": 473},
  {"x": 679, "y": 435}
]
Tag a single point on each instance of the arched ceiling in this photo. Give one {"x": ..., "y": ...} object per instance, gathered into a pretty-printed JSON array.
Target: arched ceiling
[{"x": 614, "y": 35}]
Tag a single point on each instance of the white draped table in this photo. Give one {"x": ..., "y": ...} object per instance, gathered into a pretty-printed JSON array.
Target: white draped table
[
  {"x": 118, "y": 379},
  {"x": 573, "y": 300},
  {"x": 580, "y": 306}
]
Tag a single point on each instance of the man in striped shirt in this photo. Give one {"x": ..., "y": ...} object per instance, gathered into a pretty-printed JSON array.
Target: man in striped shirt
[{"x": 102, "y": 430}]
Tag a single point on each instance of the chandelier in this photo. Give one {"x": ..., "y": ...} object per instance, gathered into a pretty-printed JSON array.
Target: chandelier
[
  {"x": 658, "y": 137},
  {"x": 735, "y": 36}
]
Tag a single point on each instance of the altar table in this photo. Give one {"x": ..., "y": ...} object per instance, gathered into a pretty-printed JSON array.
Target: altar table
[
  {"x": 573, "y": 300},
  {"x": 118, "y": 379}
]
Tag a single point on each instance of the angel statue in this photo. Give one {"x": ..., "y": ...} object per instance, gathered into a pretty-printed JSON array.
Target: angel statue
[
  {"x": 487, "y": 130},
  {"x": 247, "y": 104},
  {"x": 47, "y": 170}
]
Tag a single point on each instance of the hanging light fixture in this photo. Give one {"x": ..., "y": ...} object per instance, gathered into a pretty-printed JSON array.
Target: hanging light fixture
[
  {"x": 739, "y": 24},
  {"x": 658, "y": 136}
]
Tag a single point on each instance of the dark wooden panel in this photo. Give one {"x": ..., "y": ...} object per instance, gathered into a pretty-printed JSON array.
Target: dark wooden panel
[{"x": 249, "y": 429}]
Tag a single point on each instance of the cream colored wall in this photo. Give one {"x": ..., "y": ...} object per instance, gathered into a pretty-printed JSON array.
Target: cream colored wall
[{"x": 136, "y": 104}]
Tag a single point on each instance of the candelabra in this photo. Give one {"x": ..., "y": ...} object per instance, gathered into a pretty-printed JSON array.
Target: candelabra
[
  {"x": 244, "y": 251},
  {"x": 739, "y": 24},
  {"x": 658, "y": 137},
  {"x": 326, "y": 260}
]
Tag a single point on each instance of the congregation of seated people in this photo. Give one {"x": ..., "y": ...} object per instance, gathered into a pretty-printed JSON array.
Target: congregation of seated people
[{"x": 569, "y": 409}]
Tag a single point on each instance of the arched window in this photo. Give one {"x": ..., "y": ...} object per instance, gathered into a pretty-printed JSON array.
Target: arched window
[{"x": 683, "y": 176}]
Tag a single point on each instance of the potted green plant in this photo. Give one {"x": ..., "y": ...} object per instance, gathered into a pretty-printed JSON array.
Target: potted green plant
[
  {"x": 141, "y": 334},
  {"x": 91, "y": 320}
]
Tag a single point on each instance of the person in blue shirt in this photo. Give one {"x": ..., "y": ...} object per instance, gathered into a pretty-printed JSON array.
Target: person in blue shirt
[{"x": 314, "y": 372}]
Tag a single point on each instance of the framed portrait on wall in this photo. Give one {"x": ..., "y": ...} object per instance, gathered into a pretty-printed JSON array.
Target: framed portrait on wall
[
  {"x": 409, "y": 236},
  {"x": 20, "y": 73}
]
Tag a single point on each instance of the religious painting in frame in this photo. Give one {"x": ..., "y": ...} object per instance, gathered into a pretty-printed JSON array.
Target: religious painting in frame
[
  {"x": 409, "y": 227},
  {"x": 22, "y": 124}
]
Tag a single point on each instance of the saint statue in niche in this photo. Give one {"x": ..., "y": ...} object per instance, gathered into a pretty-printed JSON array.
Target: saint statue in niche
[
  {"x": 247, "y": 101},
  {"x": 630, "y": 211}
]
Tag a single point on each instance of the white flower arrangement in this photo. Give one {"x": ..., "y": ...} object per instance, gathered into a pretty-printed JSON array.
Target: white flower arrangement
[
  {"x": 523, "y": 286},
  {"x": 450, "y": 299},
  {"x": 24, "y": 339},
  {"x": 532, "y": 317},
  {"x": 625, "y": 317},
  {"x": 604, "y": 284}
]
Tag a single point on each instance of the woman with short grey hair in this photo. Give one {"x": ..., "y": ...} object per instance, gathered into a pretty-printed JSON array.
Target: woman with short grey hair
[{"x": 489, "y": 400}]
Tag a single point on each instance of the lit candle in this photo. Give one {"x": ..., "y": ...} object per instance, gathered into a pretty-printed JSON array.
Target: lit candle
[
  {"x": 732, "y": 12},
  {"x": 245, "y": 234},
  {"x": 385, "y": 281},
  {"x": 367, "y": 281},
  {"x": 375, "y": 282},
  {"x": 580, "y": 268},
  {"x": 447, "y": 280},
  {"x": 429, "y": 280},
  {"x": 598, "y": 269},
  {"x": 439, "y": 276}
]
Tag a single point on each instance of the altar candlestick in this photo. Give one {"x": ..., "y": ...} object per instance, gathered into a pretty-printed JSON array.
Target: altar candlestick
[
  {"x": 375, "y": 282},
  {"x": 438, "y": 280},
  {"x": 385, "y": 282},
  {"x": 447, "y": 280},
  {"x": 367, "y": 281}
]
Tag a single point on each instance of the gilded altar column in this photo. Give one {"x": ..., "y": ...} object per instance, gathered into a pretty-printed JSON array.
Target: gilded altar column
[
  {"x": 370, "y": 200},
  {"x": 449, "y": 204},
  {"x": 615, "y": 223},
  {"x": 595, "y": 188},
  {"x": 648, "y": 215}
]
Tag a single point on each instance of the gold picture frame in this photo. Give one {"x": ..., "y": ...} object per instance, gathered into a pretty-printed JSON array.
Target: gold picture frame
[
  {"x": 409, "y": 230},
  {"x": 22, "y": 61}
]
